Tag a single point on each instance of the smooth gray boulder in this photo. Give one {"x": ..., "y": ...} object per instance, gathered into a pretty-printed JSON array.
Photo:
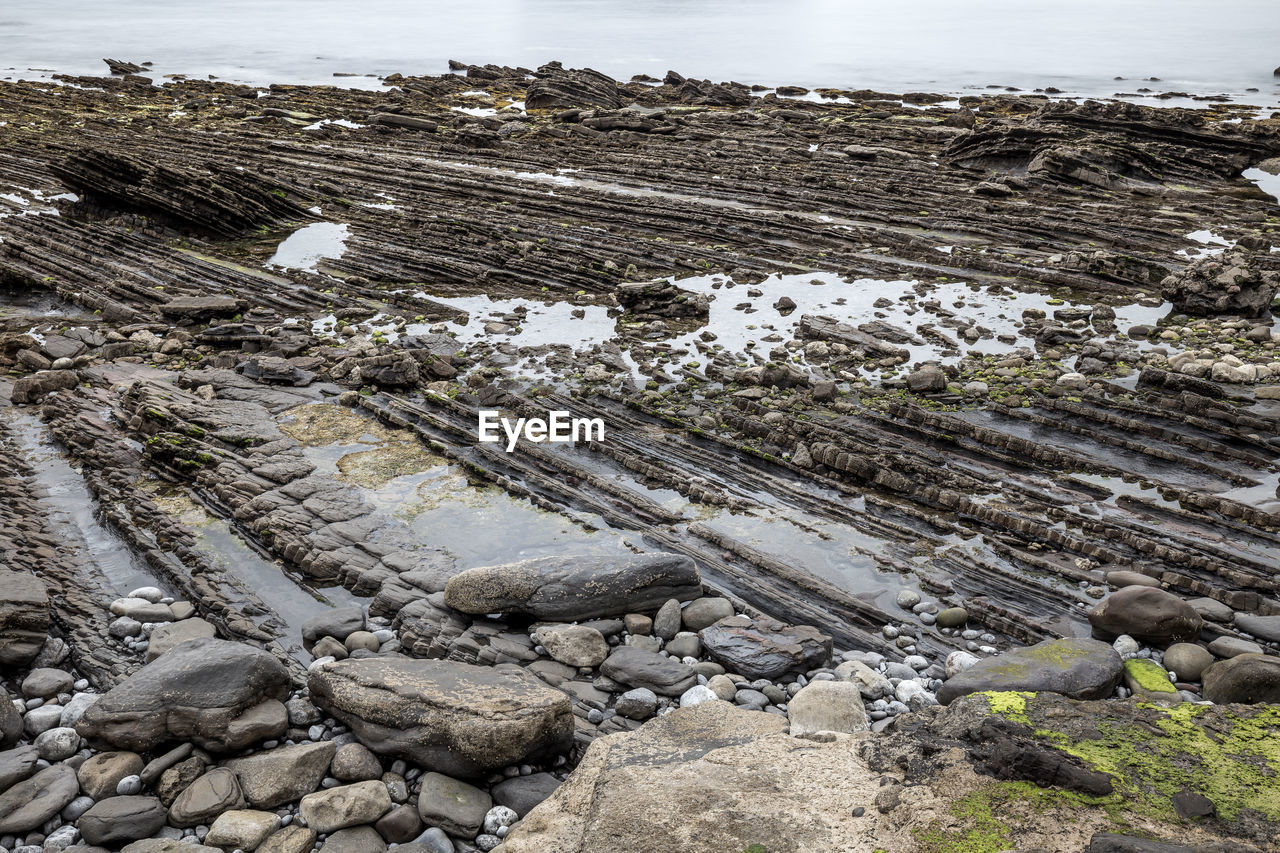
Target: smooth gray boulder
[
  {"x": 455, "y": 806},
  {"x": 220, "y": 695},
  {"x": 207, "y": 797},
  {"x": 570, "y": 589},
  {"x": 457, "y": 718},
  {"x": 1148, "y": 615},
  {"x": 1266, "y": 627},
  {"x": 339, "y": 623},
  {"x": 30, "y": 803},
  {"x": 522, "y": 793},
  {"x": 122, "y": 819},
  {"x": 1078, "y": 668},
  {"x": 1249, "y": 679}
]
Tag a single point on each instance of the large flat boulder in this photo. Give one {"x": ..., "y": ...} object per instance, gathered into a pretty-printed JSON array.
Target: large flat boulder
[
  {"x": 1079, "y": 668},
  {"x": 456, "y": 718},
  {"x": 713, "y": 777},
  {"x": 570, "y": 589},
  {"x": 221, "y": 695},
  {"x": 24, "y": 617}
]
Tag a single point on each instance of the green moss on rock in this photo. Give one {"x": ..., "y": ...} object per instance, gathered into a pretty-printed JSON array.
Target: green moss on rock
[
  {"x": 1230, "y": 754},
  {"x": 1148, "y": 675}
]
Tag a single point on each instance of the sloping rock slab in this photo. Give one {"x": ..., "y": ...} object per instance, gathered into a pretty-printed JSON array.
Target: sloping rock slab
[
  {"x": 569, "y": 589},
  {"x": 453, "y": 717},
  {"x": 213, "y": 197},
  {"x": 1079, "y": 668},
  {"x": 196, "y": 691}
]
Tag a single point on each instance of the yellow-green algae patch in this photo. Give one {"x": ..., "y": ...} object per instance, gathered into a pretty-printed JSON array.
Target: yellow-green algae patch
[
  {"x": 1153, "y": 752},
  {"x": 989, "y": 816},
  {"x": 390, "y": 453},
  {"x": 1012, "y": 705},
  {"x": 1149, "y": 675}
]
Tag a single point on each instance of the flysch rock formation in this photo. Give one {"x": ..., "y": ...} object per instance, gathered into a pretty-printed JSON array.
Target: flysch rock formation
[{"x": 938, "y": 480}]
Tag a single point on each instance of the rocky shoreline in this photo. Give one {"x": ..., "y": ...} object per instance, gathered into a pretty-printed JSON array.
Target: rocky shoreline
[{"x": 1044, "y": 458}]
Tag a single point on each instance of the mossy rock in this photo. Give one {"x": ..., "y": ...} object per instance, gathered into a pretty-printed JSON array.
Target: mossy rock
[
  {"x": 1147, "y": 678},
  {"x": 1227, "y": 753}
]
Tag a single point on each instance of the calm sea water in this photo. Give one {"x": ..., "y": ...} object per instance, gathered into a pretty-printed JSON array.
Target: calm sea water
[{"x": 1199, "y": 46}]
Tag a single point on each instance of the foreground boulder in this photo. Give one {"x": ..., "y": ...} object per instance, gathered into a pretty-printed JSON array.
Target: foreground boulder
[
  {"x": 24, "y": 617},
  {"x": 1148, "y": 615},
  {"x": 709, "y": 777},
  {"x": 1079, "y": 668},
  {"x": 222, "y": 696},
  {"x": 764, "y": 647},
  {"x": 570, "y": 589},
  {"x": 1008, "y": 769},
  {"x": 457, "y": 718}
]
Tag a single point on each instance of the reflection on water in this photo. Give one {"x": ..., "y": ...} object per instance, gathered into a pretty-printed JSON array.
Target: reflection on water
[
  {"x": 293, "y": 598},
  {"x": 932, "y": 45},
  {"x": 73, "y": 510},
  {"x": 398, "y": 476}
]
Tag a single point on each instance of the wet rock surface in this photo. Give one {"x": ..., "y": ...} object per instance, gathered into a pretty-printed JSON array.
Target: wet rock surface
[{"x": 892, "y": 425}]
